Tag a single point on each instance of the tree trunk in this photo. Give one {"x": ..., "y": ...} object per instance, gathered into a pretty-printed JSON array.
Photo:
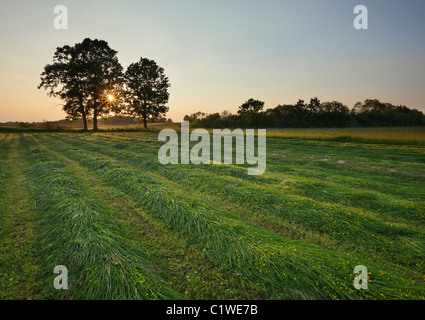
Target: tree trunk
[
  {"x": 145, "y": 122},
  {"x": 94, "y": 120},
  {"x": 84, "y": 120}
]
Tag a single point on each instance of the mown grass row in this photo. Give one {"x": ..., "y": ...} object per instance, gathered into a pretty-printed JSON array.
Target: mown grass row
[
  {"x": 397, "y": 245},
  {"x": 19, "y": 267},
  {"x": 304, "y": 148},
  {"x": 376, "y": 191},
  {"x": 286, "y": 268},
  {"x": 367, "y": 161},
  {"x": 6, "y": 277},
  {"x": 370, "y": 168},
  {"x": 374, "y": 201},
  {"x": 75, "y": 231},
  {"x": 185, "y": 269},
  {"x": 382, "y": 179},
  {"x": 401, "y": 245}
]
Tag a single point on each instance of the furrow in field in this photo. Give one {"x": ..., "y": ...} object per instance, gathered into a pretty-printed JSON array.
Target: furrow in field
[
  {"x": 184, "y": 268},
  {"x": 286, "y": 268},
  {"x": 75, "y": 231},
  {"x": 396, "y": 245}
]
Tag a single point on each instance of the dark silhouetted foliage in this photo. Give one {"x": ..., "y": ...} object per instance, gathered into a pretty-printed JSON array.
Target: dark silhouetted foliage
[
  {"x": 313, "y": 114},
  {"x": 81, "y": 76},
  {"x": 146, "y": 90}
]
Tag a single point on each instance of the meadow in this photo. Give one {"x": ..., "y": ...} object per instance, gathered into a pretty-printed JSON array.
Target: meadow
[{"x": 127, "y": 227}]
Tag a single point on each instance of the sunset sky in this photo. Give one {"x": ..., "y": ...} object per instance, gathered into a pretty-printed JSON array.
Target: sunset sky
[{"x": 219, "y": 53}]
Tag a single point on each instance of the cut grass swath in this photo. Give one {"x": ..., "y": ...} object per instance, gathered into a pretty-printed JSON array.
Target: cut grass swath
[
  {"x": 349, "y": 227},
  {"x": 75, "y": 231},
  {"x": 287, "y": 269}
]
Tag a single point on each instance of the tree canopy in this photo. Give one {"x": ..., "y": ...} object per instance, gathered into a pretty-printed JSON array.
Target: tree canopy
[
  {"x": 83, "y": 76},
  {"x": 371, "y": 112},
  {"x": 251, "y": 106},
  {"x": 146, "y": 90}
]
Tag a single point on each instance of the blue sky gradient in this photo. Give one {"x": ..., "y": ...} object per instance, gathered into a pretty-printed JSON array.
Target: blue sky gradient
[{"x": 219, "y": 53}]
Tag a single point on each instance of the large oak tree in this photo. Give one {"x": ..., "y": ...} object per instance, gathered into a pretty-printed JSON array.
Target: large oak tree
[{"x": 82, "y": 76}]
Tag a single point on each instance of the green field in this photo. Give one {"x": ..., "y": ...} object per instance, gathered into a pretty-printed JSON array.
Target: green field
[{"x": 127, "y": 227}]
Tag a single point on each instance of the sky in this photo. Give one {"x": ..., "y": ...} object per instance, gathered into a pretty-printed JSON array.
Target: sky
[{"x": 219, "y": 53}]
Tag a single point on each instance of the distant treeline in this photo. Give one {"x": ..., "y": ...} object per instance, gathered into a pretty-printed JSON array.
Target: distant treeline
[
  {"x": 370, "y": 113},
  {"x": 66, "y": 124}
]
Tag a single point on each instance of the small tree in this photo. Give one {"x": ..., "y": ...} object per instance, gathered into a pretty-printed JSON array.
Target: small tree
[{"x": 146, "y": 90}]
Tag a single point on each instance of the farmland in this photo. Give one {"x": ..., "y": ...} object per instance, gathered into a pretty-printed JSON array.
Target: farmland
[{"x": 127, "y": 227}]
